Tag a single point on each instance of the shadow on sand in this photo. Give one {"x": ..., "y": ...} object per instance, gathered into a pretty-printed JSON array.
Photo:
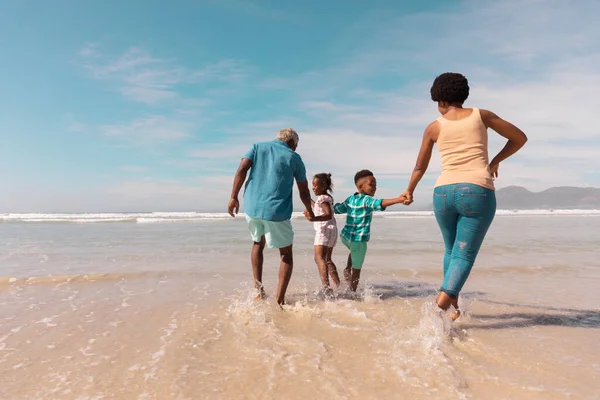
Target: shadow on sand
[
  {"x": 402, "y": 290},
  {"x": 547, "y": 316},
  {"x": 580, "y": 319},
  {"x": 539, "y": 316}
]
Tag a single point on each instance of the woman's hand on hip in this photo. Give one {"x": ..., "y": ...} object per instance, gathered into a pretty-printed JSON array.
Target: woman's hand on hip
[{"x": 494, "y": 169}]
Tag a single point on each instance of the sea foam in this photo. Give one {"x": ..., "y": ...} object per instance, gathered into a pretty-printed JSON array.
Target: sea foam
[{"x": 170, "y": 217}]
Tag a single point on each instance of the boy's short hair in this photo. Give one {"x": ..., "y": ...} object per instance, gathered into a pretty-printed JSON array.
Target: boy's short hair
[{"x": 363, "y": 173}]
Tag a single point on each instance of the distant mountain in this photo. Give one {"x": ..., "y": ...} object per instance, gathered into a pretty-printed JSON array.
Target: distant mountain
[
  {"x": 563, "y": 197},
  {"x": 556, "y": 198}
]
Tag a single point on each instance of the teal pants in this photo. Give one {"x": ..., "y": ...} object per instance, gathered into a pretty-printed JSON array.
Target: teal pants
[{"x": 358, "y": 251}]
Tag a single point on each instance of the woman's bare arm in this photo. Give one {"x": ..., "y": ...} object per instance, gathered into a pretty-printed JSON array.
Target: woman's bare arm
[
  {"x": 429, "y": 137},
  {"x": 516, "y": 138}
]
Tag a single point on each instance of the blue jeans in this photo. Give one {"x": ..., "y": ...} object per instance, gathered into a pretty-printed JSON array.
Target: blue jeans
[{"x": 464, "y": 213}]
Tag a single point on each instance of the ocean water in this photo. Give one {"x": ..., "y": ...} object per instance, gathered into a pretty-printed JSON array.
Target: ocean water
[{"x": 161, "y": 306}]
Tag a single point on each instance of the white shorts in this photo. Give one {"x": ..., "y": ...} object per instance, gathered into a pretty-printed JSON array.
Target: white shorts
[{"x": 326, "y": 236}]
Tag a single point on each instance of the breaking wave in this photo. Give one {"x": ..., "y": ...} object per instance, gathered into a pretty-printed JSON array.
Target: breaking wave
[{"x": 166, "y": 217}]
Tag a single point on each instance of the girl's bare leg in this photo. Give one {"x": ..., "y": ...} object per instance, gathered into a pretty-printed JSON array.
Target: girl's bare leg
[
  {"x": 321, "y": 260},
  {"x": 332, "y": 269}
]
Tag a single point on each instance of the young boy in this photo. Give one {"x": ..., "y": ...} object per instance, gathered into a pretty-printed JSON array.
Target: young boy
[{"x": 359, "y": 209}]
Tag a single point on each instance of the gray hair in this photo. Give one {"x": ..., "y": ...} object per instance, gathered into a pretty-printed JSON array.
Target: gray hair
[{"x": 288, "y": 135}]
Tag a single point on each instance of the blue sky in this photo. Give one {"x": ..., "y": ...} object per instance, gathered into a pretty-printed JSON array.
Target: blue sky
[{"x": 144, "y": 105}]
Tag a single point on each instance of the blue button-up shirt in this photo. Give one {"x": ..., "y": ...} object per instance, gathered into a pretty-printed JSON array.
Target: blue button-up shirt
[{"x": 268, "y": 192}]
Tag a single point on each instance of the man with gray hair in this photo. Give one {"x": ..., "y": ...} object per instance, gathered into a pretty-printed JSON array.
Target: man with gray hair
[{"x": 268, "y": 203}]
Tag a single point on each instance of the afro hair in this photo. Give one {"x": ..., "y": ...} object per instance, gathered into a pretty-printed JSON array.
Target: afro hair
[{"x": 450, "y": 87}]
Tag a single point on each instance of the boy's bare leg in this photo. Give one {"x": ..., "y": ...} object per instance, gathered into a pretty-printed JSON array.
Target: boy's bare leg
[
  {"x": 444, "y": 301},
  {"x": 321, "y": 260},
  {"x": 355, "y": 279},
  {"x": 257, "y": 259},
  {"x": 348, "y": 269},
  {"x": 332, "y": 269},
  {"x": 285, "y": 272}
]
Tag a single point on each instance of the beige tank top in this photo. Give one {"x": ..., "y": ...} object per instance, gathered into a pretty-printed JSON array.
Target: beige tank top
[{"x": 463, "y": 145}]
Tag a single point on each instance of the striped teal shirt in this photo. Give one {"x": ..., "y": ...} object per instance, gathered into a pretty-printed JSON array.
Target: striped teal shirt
[{"x": 359, "y": 212}]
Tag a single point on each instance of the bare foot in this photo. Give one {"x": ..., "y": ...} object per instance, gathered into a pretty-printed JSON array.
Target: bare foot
[
  {"x": 261, "y": 295},
  {"x": 327, "y": 292},
  {"x": 348, "y": 273},
  {"x": 455, "y": 315}
]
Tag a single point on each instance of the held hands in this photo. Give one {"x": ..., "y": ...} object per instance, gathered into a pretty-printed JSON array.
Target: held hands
[
  {"x": 407, "y": 198},
  {"x": 233, "y": 207},
  {"x": 309, "y": 215}
]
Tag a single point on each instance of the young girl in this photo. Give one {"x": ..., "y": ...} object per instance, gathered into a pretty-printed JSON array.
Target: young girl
[{"x": 326, "y": 232}]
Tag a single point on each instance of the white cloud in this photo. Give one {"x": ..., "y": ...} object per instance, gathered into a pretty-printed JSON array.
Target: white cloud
[
  {"x": 134, "y": 168},
  {"x": 170, "y": 195},
  {"x": 533, "y": 62},
  {"x": 150, "y": 130},
  {"x": 158, "y": 82},
  {"x": 257, "y": 129},
  {"x": 143, "y": 78},
  {"x": 220, "y": 151},
  {"x": 252, "y": 8},
  {"x": 147, "y": 94},
  {"x": 77, "y": 127},
  {"x": 89, "y": 50},
  {"x": 386, "y": 136},
  {"x": 347, "y": 151}
]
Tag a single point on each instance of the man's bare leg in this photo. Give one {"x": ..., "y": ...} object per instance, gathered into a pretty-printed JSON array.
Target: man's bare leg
[
  {"x": 444, "y": 301},
  {"x": 332, "y": 269},
  {"x": 257, "y": 259},
  {"x": 285, "y": 272}
]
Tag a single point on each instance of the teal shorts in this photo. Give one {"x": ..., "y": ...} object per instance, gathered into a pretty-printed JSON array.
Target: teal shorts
[
  {"x": 278, "y": 234},
  {"x": 358, "y": 251}
]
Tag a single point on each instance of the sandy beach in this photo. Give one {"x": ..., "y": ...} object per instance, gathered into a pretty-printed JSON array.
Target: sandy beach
[{"x": 126, "y": 310}]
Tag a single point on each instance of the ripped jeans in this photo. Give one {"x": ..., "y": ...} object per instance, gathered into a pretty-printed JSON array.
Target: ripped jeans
[{"x": 464, "y": 212}]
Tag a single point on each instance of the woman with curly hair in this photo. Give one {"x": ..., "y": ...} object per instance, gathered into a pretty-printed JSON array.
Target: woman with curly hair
[{"x": 464, "y": 200}]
